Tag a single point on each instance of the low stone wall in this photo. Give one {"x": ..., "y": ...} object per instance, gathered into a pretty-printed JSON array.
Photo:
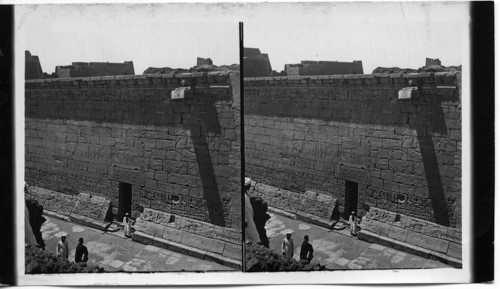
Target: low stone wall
[
  {"x": 311, "y": 206},
  {"x": 177, "y": 233},
  {"x": 413, "y": 235},
  {"x": 83, "y": 208}
]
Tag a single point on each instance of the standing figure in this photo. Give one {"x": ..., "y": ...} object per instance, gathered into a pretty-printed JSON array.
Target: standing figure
[
  {"x": 251, "y": 233},
  {"x": 287, "y": 246},
  {"x": 81, "y": 254},
  {"x": 306, "y": 251},
  {"x": 353, "y": 223},
  {"x": 62, "y": 248},
  {"x": 127, "y": 225}
]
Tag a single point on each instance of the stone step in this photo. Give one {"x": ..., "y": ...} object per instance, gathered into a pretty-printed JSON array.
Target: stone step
[{"x": 147, "y": 239}]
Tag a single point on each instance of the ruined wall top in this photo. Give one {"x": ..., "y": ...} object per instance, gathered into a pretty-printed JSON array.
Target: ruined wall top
[
  {"x": 83, "y": 69},
  {"x": 32, "y": 66},
  {"x": 203, "y": 61},
  {"x": 308, "y": 67},
  {"x": 169, "y": 80},
  {"x": 430, "y": 61},
  {"x": 438, "y": 78},
  {"x": 256, "y": 64}
]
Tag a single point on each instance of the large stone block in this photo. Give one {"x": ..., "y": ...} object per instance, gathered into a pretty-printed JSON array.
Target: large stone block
[
  {"x": 172, "y": 234},
  {"x": 398, "y": 233},
  {"x": 357, "y": 175},
  {"x": 203, "y": 243},
  {"x": 127, "y": 176},
  {"x": 162, "y": 218},
  {"x": 286, "y": 200},
  {"x": 453, "y": 235},
  {"x": 233, "y": 251},
  {"x": 200, "y": 228},
  {"x": 381, "y": 215},
  {"x": 142, "y": 238},
  {"x": 368, "y": 236},
  {"x": 427, "y": 242},
  {"x": 93, "y": 207},
  {"x": 230, "y": 235},
  {"x": 455, "y": 250},
  {"x": 149, "y": 228},
  {"x": 318, "y": 205},
  {"x": 376, "y": 227}
]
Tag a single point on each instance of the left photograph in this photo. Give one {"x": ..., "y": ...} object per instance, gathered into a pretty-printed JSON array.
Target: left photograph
[{"x": 132, "y": 139}]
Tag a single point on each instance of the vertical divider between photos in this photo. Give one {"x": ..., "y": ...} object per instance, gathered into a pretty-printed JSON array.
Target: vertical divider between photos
[{"x": 242, "y": 148}]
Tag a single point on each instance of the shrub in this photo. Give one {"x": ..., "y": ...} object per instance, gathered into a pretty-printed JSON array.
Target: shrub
[
  {"x": 39, "y": 261},
  {"x": 261, "y": 259}
]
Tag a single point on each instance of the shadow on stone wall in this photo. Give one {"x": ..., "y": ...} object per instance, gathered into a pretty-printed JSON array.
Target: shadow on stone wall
[
  {"x": 36, "y": 220},
  {"x": 427, "y": 120},
  {"x": 198, "y": 115}
]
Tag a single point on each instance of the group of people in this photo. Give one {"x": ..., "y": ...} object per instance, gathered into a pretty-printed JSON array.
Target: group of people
[
  {"x": 81, "y": 253},
  {"x": 306, "y": 249}
]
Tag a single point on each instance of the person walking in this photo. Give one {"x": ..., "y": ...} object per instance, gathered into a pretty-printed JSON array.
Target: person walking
[
  {"x": 62, "y": 248},
  {"x": 287, "y": 246},
  {"x": 353, "y": 223},
  {"x": 81, "y": 254},
  {"x": 306, "y": 251},
  {"x": 127, "y": 225}
]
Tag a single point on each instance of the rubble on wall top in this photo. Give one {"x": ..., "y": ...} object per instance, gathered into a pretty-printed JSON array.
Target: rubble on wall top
[
  {"x": 398, "y": 78},
  {"x": 215, "y": 77}
]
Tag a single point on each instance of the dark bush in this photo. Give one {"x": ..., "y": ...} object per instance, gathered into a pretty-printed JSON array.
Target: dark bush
[
  {"x": 39, "y": 261},
  {"x": 261, "y": 259}
]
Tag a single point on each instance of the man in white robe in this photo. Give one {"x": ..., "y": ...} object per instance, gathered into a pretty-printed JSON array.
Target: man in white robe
[
  {"x": 62, "y": 248},
  {"x": 287, "y": 246},
  {"x": 127, "y": 225},
  {"x": 353, "y": 223},
  {"x": 251, "y": 233}
]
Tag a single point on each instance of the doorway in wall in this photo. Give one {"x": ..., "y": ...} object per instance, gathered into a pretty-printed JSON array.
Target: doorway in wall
[
  {"x": 350, "y": 198},
  {"x": 124, "y": 199}
]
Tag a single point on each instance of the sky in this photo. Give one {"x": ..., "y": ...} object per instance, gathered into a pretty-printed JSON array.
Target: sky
[
  {"x": 399, "y": 34},
  {"x": 149, "y": 35}
]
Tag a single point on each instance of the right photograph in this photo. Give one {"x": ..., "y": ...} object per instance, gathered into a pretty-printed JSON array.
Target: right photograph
[{"x": 353, "y": 136}]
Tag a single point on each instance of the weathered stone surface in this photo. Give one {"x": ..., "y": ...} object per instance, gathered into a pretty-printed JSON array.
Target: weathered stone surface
[
  {"x": 230, "y": 235},
  {"x": 326, "y": 223},
  {"x": 93, "y": 133},
  {"x": 93, "y": 207},
  {"x": 127, "y": 176},
  {"x": 398, "y": 233},
  {"x": 149, "y": 228},
  {"x": 427, "y": 242},
  {"x": 368, "y": 236},
  {"x": 142, "y": 238},
  {"x": 286, "y": 200},
  {"x": 381, "y": 215},
  {"x": 172, "y": 234},
  {"x": 315, "y": 133},
  {"x": 233, "y": 251},
  {"x": 318, "y": 205},
  {"x": 204, "y": 243},
  {"x": 354, "y": 174},
  {"x": 161, "y": 218},
  {"x": 376, "y": 227},
  {"x": 453, "y": 235},
  {"x": 455, "y": 250}
]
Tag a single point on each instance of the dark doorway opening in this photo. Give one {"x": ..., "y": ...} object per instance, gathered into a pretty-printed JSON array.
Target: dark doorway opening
[
  {"x": 351, "y": 198},
  {"x": 124, "y": 199}
]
